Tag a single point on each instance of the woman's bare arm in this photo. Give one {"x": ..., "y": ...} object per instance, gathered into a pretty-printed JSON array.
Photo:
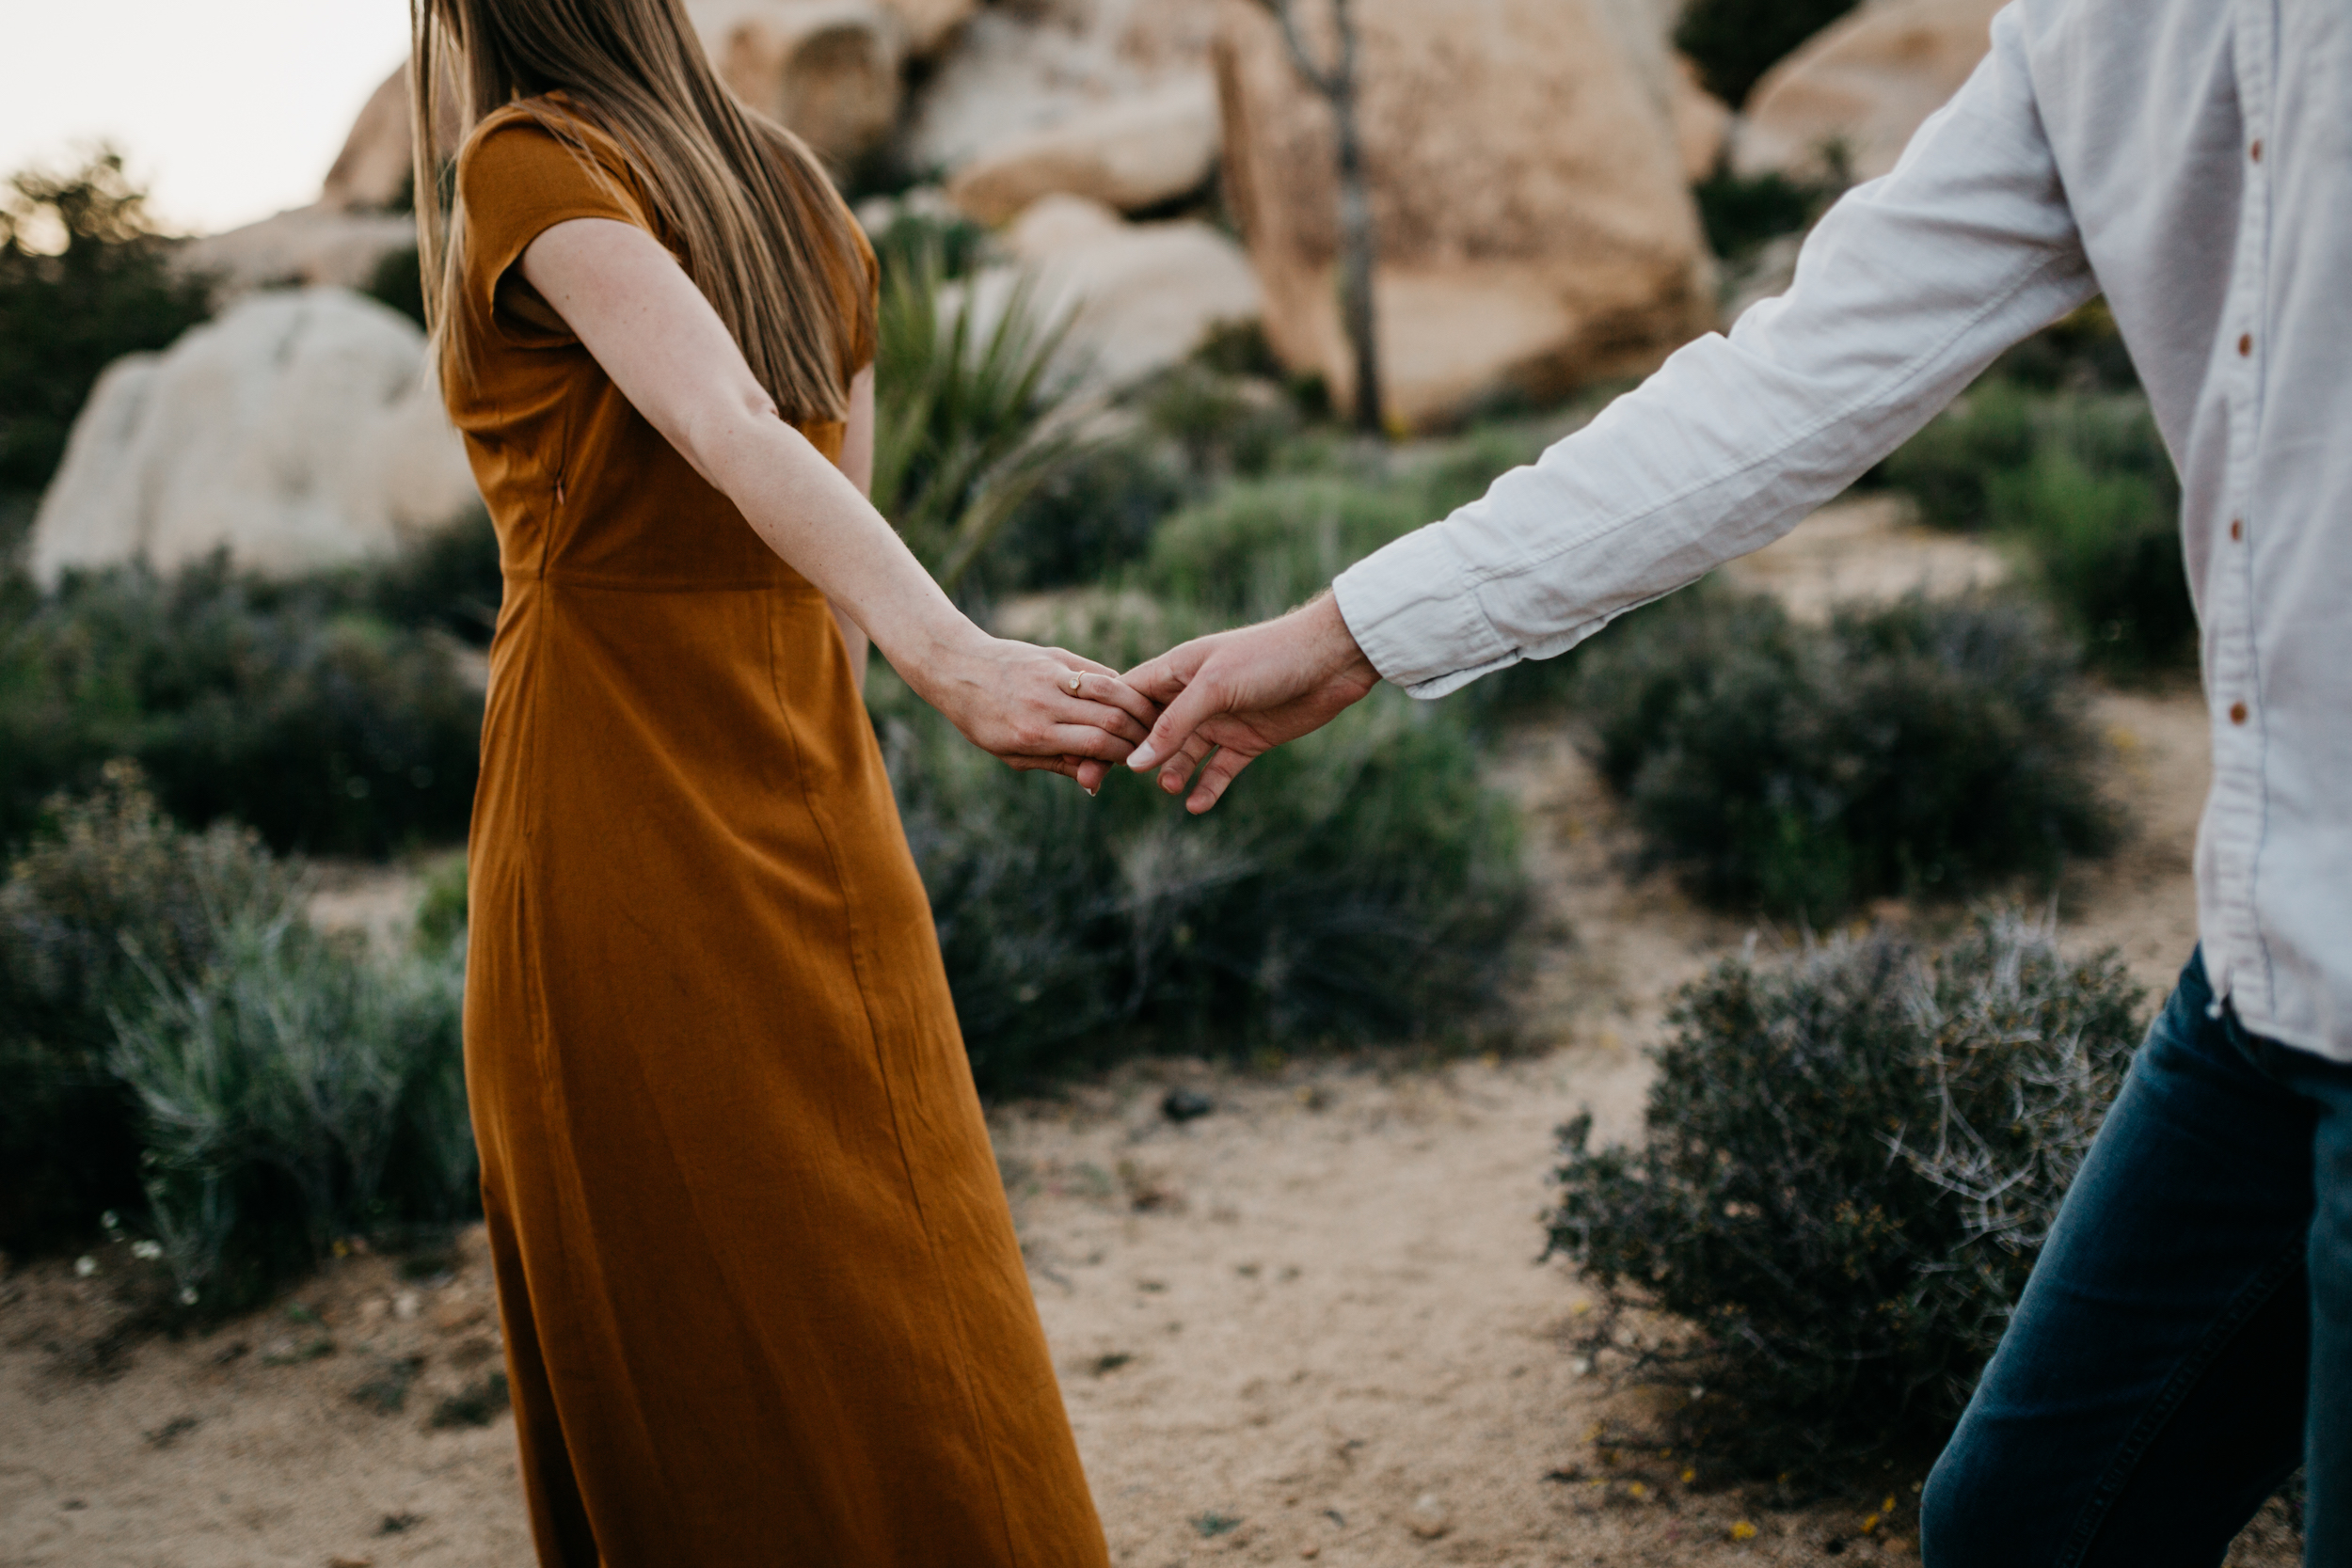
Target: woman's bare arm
[{"x": 665, "y": 348}]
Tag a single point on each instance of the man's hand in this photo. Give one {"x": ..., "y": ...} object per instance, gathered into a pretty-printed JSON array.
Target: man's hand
[{"x": 1245, "y": 692}]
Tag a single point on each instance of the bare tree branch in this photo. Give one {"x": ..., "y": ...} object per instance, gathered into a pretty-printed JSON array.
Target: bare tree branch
[
  {"x": 1325, "y": 82},
  {"x": 1359, "y": 248}
]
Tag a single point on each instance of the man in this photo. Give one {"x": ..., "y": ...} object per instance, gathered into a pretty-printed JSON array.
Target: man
[{"x": 2186, "y": 1337}]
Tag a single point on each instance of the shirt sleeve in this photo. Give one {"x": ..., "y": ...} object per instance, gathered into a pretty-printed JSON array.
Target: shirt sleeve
[
  {"x": 1904, "y": 292},
  {"x": 515, "y": 180}
]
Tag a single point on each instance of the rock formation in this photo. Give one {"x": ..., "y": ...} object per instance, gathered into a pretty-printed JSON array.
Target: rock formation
[
  {"x": 1702, "y": 123},
  {"x": 1133, "y": 153},
  {"x": 829, "y": 69},
  {"x": 307, "y": 246},
  {"x": 1140, "y": 297},
  {"x": 373, "y": 169},
  {"x": 1534, "y": 228},
  {"x": 1863, "y": 83},
  {"x": 1020, "y": 72},
  {"x": 298, "y": 431},
  {"x": 929, "y": 26}
]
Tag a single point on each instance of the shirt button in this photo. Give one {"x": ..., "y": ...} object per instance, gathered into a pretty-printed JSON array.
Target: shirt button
[
  {"x": 2237, "y": 528},
  {"x": 2237, "y": 713},
  {"x": 2256, "y": 150},
  {"x": 2245, "y": 344}
]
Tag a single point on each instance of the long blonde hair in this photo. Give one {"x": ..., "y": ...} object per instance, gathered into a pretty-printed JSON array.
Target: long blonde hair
[{"x": 743, "y": 197}]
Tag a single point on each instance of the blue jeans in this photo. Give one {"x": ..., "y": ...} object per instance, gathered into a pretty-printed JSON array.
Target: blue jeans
[{"x": 2185, "y": 1340}]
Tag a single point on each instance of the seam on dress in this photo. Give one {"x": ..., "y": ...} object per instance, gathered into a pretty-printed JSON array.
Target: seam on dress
[
  {"x": 1477, "y": 577},
  {"x": 545, "y": 1089},
  {"x": 981, "y": 1433},
  {"x": 2152, "y": 1421}
]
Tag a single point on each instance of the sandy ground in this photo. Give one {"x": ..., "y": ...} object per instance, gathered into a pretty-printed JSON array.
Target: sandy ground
[{"x": 1309, "y": 1325}]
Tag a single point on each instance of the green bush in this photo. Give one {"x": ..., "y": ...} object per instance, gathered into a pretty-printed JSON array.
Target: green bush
[
  {"x": 2096, "y": 511},
  {"x": 1741, "y": 214},
  {"x": 1850, "y": 1161},
  {"x": 2083, "y": 352},
  {"x": 2081, "y": 484},
  {"x": 1088, "y": 519},
  {"x": 1256, "y": 548},
  {"x": 449, "y": 579},
  {"x": 105, "y": 876},
  {"x": 1949, "y": 468},
  {"x": 1358, "y": 884},
  {"x": 175, "y": 1038},
  {"x": 289, "y": 707},
  {"x": 1925, "y": 748},
  {"x": 398, "y": 281},
  {"x": 292, "y": 1091},
  {"x": 68, "y": 313},
  {"x": 1733, "y": 43}
]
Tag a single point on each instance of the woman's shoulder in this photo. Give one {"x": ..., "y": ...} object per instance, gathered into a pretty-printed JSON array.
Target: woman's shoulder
[{"x": 534, "y": 141}]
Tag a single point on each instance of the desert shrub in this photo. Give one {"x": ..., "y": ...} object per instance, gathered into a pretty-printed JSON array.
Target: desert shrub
[
  {"x": 106, "y": 876},
  {"x": 2081, "y": 484},
  {"x": 1255, "y": 548},
  {"x": 1174, "y": 441},
  {"x": 177, "y": 1039},
  {"x": 1923, "y": 748},
  {"x": 84, "y": 280},
  {"x": 449, "y": 579},
  {"x": 1223, "y": 426},
  {"x": 1850, "y": 1161},
  {"x": 1950, "y": 466},
  {"x": 1090, "y": 519},
  {"x": 2082, "y": 352},
  {"x": 2096, "y": 511},
  {"x": 293, "y": 1090},
  {"x": 288, "y": 706},
  {"x": 398, "y": 281},
  {"x": 1741, "y": 213},
  {"x": 1733, "y": 43},
  {"x": 1360, "y": 883}
]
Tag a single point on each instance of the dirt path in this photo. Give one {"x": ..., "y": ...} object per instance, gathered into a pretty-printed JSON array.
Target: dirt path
[{"x": 1308, "y": 1326}]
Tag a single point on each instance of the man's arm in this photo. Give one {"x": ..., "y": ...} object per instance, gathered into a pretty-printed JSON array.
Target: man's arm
[{"x": 1904, "y": 293}]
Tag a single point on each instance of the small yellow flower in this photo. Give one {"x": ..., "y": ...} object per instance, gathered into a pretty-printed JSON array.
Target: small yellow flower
[
  {"x": 1870, "y": 1524},
  {"x": 1636, "y": 1491},
  {"x": 1743, "y": 1531},
  {"x": 1887, "y": 1507},
  {"x": 1688, "y": 1476}
]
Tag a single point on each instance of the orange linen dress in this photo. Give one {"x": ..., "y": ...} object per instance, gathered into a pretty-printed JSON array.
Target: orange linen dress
[{"x": 762, "y": 1298}]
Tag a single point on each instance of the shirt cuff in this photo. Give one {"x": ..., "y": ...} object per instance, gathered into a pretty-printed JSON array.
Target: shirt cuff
[{"x": 1413, "y": 610}]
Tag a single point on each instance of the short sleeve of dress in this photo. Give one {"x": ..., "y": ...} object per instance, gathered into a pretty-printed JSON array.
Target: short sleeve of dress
[{"x": 515, "y": 180}]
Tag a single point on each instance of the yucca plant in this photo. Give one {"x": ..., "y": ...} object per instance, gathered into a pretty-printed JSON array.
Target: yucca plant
[{"x": 965, "y": 420}]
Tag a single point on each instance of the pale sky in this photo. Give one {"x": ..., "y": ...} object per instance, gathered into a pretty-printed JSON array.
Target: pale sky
[{"x": 228, "y": 110}]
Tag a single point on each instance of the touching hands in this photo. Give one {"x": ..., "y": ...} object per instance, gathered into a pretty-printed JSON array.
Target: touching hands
[
  {"x": 1199, "y": 713},
  {"x": 1037, "y": 709},
  {"x": 1241, "y": 693}
]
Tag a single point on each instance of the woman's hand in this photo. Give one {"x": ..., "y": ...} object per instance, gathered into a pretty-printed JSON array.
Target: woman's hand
[
  {"x": 665, "y": 348},
  {"x": 1034, "y": 707}
]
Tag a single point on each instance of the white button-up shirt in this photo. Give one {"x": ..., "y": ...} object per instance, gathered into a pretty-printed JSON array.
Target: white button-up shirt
[{"x": 2193, "y": 160}]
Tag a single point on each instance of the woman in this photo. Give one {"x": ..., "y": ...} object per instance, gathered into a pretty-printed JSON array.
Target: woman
[{"x": 762, "y": 1297}]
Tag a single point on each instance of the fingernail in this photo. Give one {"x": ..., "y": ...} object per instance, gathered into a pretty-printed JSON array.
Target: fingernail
[
  {"x": 1093, "y": 793},
  {"x": 1142, "y": 757}
]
